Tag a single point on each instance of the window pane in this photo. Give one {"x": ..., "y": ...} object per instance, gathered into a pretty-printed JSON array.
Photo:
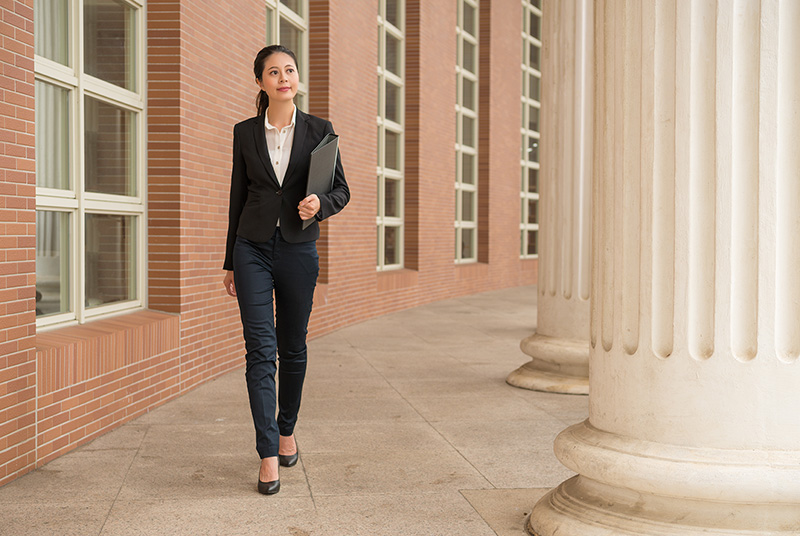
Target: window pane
[
  {"x": 391, "y": 247},
  {"x": 467, "y": 249},
  {"x": 467, "y": 208},
  {"x": 392, "y": 198},
  {"x": 110, "y": 259},
  {"x": 535, "y": 28},
  {"x": 533, "y": 118},
  {"x": 51, "y": 38},
  {"x": 109, "y": 46},
  {"x": 533, "y": 150},
  {"x": 533, "y": 87},
  {"x": 468, "y": 94},
  {"x": 533, "y": 180},
  {"x": 533, "y": 61},
  {"x": 294, "y": 5},
  {"x": 469, "y": 19},
  {"x": 393, "y": 55},
  {"x": 522, "y": 242},
  {"x": 393, "y": 14},
  {"x": 392, "y": 102},
  {"x": 467, "y": 168},
  {"x": 110, "y": 163},
  {"x": 292, "y": 38},
  {"x": 469, "y": 56},
  {"x": 52, "y": 262},
  {"x": 533, "y": 247},
  {"x": 533, "y": 211},
  {"x": 392, "y": 150},
  {"x": 468, "y": 131},
  {"x": 52, "y": 136}
]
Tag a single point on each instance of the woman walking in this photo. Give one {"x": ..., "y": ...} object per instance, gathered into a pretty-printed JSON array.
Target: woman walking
[{"x": 269, "y": 252}]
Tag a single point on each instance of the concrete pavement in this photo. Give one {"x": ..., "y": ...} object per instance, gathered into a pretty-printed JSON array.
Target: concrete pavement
[{"x": 407, "y": 428}]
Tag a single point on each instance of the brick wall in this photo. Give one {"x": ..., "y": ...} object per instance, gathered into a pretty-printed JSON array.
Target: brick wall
[
  {"x": 210, "y": 88},
  {"x": 17, "y": 242},
  {"x": 93, "y": 377},
  {"x": 342, "y": 86}
]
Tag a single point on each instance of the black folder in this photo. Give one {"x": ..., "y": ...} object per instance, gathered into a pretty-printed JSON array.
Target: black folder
[{"x": 322, "y": 168}]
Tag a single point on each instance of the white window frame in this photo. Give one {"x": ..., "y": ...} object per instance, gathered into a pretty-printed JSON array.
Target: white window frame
[
  {"x": 76, "y": 200},
  {"x": 529, "y": 138},
  {"x": 279, "y": 14},
  {"x": 461, "y": 112},
  {"x": 384, "y": 124}
]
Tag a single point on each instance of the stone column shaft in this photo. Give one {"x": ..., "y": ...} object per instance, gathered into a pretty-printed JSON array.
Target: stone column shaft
[
  {"x": 693, "y": 425},
  {"x": 559, "y": 349}
]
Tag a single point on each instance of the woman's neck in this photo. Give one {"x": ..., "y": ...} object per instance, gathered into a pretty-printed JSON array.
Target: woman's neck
[{"x": 279, "y": 114}]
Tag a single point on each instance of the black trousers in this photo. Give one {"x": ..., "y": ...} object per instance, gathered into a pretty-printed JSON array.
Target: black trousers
[{"x": 290, "y": 272}]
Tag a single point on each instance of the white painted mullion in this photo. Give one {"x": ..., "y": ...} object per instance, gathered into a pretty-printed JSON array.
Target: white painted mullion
[
  {"x": 141, "y": 161},
  {"x": 78, "y": 157},
  {"x": 296, "y": 20}
]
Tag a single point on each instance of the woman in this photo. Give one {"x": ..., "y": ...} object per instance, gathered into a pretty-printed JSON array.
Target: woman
[{"x": 269, "y": 251}]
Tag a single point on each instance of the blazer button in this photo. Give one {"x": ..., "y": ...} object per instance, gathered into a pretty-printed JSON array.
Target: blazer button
[{"x": 279, "y": 192}]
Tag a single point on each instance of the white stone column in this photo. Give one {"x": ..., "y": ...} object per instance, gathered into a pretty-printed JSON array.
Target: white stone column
[
  {"x": 559, "y": 349},
  {"x": 694, "y": 406}
]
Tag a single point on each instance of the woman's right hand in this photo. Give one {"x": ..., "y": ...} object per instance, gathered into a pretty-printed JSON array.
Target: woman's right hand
[{"x": 228, "y": 282}]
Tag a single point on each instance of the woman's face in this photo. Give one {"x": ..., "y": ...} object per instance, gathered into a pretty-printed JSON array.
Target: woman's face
[{"x": 279, "y": 79}]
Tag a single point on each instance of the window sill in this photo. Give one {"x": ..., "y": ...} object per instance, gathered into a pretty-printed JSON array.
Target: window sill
[{"x": 70, "y": 355}]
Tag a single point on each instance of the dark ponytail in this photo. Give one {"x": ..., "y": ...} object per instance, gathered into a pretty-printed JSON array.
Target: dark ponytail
[
  {"x": 262, "y": 99},
  {"x": 262, "y": 102}
]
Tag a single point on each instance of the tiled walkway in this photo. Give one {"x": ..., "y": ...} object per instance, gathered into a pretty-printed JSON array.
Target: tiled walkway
[{"x": 407, "y": 428}]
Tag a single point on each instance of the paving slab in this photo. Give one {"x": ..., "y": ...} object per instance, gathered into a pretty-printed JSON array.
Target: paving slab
[
  {"x": 422, "y": 514},
  {"x": 505, "y": 510},
  {"x": 56, "y": 516},
  {"x": 255, "y": 514},
  {"x": 390, "y": 471}
]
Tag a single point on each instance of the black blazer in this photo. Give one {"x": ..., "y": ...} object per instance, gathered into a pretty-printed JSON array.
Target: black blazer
[{"x": 256, "y": 197}]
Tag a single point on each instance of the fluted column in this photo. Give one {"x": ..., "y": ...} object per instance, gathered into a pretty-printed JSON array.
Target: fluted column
[
  {"x": 693, "y": 413},
  {"x": 559, "y": 349}
]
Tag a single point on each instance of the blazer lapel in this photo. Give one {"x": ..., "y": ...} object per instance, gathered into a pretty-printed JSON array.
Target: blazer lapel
[
  {"x": 259, "y": 131},
  {"x": 298, "y": 144}
]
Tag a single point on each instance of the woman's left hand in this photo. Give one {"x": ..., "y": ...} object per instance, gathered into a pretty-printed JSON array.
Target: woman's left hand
[{"x": 308, "y": 207}]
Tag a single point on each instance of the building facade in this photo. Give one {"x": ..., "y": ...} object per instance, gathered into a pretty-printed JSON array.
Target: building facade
[{"x": 117, "y": 120}]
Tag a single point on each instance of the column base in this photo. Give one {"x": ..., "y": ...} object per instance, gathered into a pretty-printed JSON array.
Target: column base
[
  {"x": 582, "y": 507},
  {"x": 556, "y": 366},
  {"x": 633, "y": 487}
]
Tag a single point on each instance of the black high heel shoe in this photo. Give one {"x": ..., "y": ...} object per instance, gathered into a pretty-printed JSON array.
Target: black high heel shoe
[
  {"x": 269, "y": 488},
  {"x": 287, "y": 461}
]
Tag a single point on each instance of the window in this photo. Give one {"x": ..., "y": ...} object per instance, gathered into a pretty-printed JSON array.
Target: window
[
  {"x": 391, "y": 72},
  {"x": 287, "y": 25},
  {"x": 90, "y": 218},
  {"x": 466, "y": 223},
  {"x": 529, "y": 132}
]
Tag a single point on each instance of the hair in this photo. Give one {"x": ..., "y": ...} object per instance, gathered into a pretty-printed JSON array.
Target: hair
[{"x": 262, "y": 99}]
